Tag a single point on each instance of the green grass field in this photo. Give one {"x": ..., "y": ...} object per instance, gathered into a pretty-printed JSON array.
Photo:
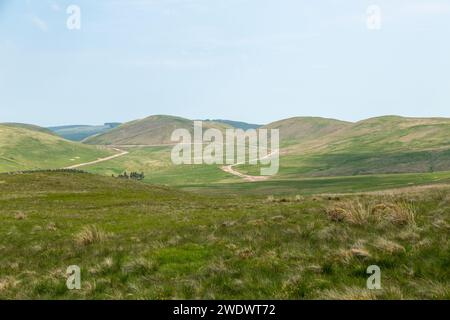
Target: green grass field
[
  {"x": 335, "y": 185},
  {"x": 137, "y": 241}
]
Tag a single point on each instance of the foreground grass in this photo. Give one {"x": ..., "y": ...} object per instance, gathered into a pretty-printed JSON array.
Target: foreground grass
[{"x": 136, "y": 241}]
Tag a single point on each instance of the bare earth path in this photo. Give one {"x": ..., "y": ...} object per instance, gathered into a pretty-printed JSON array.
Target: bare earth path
[
  {"x": 122, "y": 153},
  {"x": 246, "y": 177}
]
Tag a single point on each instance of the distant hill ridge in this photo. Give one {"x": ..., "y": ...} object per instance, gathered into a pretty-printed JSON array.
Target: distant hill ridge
[
  {"x": 301, "y": 129},
  {"x": 382, "y": 134},
  {"x": 153, "y": 130},
  {"x": 238, "y": 124},
  {"x": 388, "y": 144},
  {"x": 310, "y": 145},
  {"x": 310, "y": 133}
]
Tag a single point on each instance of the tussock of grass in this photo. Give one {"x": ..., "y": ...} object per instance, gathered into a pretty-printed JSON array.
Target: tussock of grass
[
  {"x": 360, "y": 252},
  {"x": 20, "y": 216},
  {"x": 245, "y": 253},
  {"x": 389, "y": 247},
  {"x": 102, "y": 267},
  {"x": 140, "y": 266},
  {"x": 430, "y": 289},
  {"x": 51, "y": 226},
  {"x": 89, "y": 235},
  {"x": 272, "y": 199},
  {"x": 352, "y": 211},
  {"x": 441, "y": 224},
  {"x": 349, "y": 293},
  {"x": 8, "y": 283},
  {"x": 400, "y": 213},
  {"x": 361, "y": 212}
]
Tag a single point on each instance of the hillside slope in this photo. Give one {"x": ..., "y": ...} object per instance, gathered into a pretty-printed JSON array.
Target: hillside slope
[
  {"x": 24, "y": 149},
  {"x": 239, "y": 124},
  {"x": 382, "y": 134},
  {"x": 388, "y": 144},
  {"x": 31, "y": 127},
  {"x": 302, "y": 129},
  {"x": 153, "y": 130}
]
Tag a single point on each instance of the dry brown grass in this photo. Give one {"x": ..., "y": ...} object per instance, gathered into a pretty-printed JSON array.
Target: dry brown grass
[
  {"x": 430, "y": 289},
  {"x": 401, "y": 213},
  {"x": 51, "y": 226},
  {"x": 360, "y": 252},
  {"x": 346, "y": 256},
  {"x": 90, "y": 235},
  {"x": 245, "y": 253},
  {"x": 354, "y": 212},
  {"x": 8, "y": 283},
  {"x": 389, "y": 247},
  {"x": 349, "y": 293},
  {"x": 20, "y": 215},
  {"x": 359, "y": 212},
  {"x": 272, "y": 199}
]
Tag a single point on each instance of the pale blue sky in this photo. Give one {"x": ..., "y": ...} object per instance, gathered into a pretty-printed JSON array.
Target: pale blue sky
[{"x": 249, "y": 60}]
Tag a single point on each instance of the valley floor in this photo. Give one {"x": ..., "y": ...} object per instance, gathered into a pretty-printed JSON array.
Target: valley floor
[{"x": 137, "y": 241}]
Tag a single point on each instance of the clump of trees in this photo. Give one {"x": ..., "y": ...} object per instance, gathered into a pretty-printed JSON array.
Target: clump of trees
[{"x": 132, "y": 175}]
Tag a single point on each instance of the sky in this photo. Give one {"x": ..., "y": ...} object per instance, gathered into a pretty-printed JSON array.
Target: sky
[{"x": 250, "y": 60}]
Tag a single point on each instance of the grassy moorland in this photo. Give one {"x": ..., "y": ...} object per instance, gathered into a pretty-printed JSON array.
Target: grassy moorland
[
  {"x": 333, "y": 185},
  {"x": 153, "y": 130},
  {"x": 133, "y": 240}
]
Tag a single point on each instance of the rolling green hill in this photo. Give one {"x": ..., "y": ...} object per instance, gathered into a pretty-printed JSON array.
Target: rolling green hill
[
  {"x": 382, "y": 134},
  {"x": 387, "y": 133},
  {"x": 31, "y": 127},
  {"x": 81, "y": 132},
  {"x": 153, "y": 130},
  {"x": 388, "y": 144},
  {"x": 302, "y": 129},
  {"x": 24, "y": 149}
]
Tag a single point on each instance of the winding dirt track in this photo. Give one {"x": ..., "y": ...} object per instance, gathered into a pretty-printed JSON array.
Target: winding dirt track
[
  {"x": 122, "y": 153},
  {"x": 246, "y": 177},
  {"x": 228, "y": 169}
]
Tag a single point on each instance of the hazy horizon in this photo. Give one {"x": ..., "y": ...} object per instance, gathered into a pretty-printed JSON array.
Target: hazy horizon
[
  {"x": 216, "y": 119},
  {"x": 242, "y": 60}
]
